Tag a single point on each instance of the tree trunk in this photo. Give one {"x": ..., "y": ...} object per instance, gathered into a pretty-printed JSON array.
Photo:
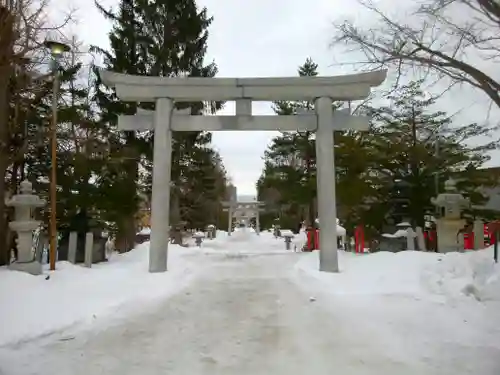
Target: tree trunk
[
  {"x": 15, "y": 180},
  {"x": 125, "y": 237},
  {"x": 416, "y": 206},
  {"x": 6, "y": 52},
  {"x": 4, "y": 231},
  {"x": 175, "y": 209}
]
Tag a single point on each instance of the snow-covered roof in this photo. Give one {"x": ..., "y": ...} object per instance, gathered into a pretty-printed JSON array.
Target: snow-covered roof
[{"x": 404, "y": 224}]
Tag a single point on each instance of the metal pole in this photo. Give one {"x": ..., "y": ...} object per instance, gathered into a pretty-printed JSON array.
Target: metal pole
[
  {"x": 257, "y": 221},
  {"x": 495, "y": 246},
  {"x": 436, "y": 176},
  {"x": 23, "y": 162},
  {"x": 53, "y": 181},
  {"x": 230, "y": 219}
]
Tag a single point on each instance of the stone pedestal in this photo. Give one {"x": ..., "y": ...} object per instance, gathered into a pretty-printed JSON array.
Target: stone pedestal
[
  {"x": 478, "y": 235},
  {"x": 89, "y": 249},
  {"x": 448, "y": 238},
  {"x": 420, "y": 239},
  {"x": 211, "y": 231},
  {"x": 72, "y": 247},
  {"x": 410, "y": 239}
]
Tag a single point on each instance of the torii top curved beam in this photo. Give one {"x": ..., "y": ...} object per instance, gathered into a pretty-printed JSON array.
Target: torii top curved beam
[{"x": 146, "y": 88}]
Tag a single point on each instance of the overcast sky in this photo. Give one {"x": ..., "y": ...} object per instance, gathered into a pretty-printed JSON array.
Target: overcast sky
[{"x": 251, "y": 38}]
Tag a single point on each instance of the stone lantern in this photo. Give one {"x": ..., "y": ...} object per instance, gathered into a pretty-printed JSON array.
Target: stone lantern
[
  {"x": 198, "y": 238},
  {"x": 211, "y": 231},
  {"x": 24, "y": 225},
  {"x": 450, "y": 223}
]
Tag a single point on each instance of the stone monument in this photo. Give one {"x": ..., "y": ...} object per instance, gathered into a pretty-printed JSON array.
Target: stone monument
[
  {"x": 401, "y": 240},
  {"x": 24, "y": 225},
  {"x": 211, "y": 231},
  {"x": 81, "y": 224},
  {"x": 478, "y": 230},
  {"x": 449, "y": 223}
]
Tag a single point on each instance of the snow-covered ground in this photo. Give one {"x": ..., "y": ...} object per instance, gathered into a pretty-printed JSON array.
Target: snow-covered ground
[
  {"x": 437, "y": 277},
  {"x": 34, "y": 306},
  {"x": 245, "y": 305}
]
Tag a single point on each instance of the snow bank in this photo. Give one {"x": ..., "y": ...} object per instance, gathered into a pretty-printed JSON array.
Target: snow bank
[
  {"x": 473, "y": 274},
  {"x": 411, "y": 272},
  {"x": 34, "y": 306}
]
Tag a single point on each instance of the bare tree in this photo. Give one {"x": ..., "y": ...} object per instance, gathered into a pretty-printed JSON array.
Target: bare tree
[
  {"x": 455, "y": 40},
  {"x": 23, "y": 27}
]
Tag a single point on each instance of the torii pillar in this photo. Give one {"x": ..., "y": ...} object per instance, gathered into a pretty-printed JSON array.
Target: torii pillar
[{"x": 229, "y": 207}]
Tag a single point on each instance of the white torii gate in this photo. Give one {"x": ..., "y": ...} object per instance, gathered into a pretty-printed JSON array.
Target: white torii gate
[
  {"x": 233, "y": 207},
  {"x": 165, "y": 91}
]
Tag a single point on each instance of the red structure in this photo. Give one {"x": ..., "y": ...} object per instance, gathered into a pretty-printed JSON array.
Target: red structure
[
  {"x": 359, "y": 239},
  {"x": 468, "y": 241},
  {"x": 488, "y": 235},
  {"x": 430, "y": 237},
  {"x": 493, "y": 227},
  {"x": 312, "y": 239}
]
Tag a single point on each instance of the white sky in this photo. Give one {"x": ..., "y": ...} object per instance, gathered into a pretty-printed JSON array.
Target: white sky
[{"x": 251, "y": 38}]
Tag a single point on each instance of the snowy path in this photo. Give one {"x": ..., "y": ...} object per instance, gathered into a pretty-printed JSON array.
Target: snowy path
[{"x": 245, "y": 315}]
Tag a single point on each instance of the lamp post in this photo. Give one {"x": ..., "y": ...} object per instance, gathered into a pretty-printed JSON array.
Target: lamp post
[{"x": 56, "y": 49}]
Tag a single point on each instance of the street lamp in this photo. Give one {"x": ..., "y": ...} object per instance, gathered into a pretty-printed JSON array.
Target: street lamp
[{"x": 57, "y": 50}]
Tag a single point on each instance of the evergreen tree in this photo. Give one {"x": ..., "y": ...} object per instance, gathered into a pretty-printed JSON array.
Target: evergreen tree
[
  {"x": 176, "y": 34},
  {"x": 155, "y": 38},
  {"x": 203, "y": 189},
  {"x": 290, "y": 165},
  {"x": 79, "y": 143},
  {"x": 119, "y": 180},
  {"x": 356, "y": 184},
  {"x": 403, "y": 151},
  {"x": 291, "y": 158}
]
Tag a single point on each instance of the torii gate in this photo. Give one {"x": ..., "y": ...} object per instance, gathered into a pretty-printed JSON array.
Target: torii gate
[
  {"x": 234, "y": 206},
  {"x": 164, "y": 91}
]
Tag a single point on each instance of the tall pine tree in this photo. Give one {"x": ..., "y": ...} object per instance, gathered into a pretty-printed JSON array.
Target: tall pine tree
[
  {"x": 154, "y": 38},
  {"x": 291, "y": 159},
  {"x": 402, "y": 146},
  {"x": 176, "y": 37},
  {"x": 119, "y": 180},
  {"x": 290, "y": 164}
]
